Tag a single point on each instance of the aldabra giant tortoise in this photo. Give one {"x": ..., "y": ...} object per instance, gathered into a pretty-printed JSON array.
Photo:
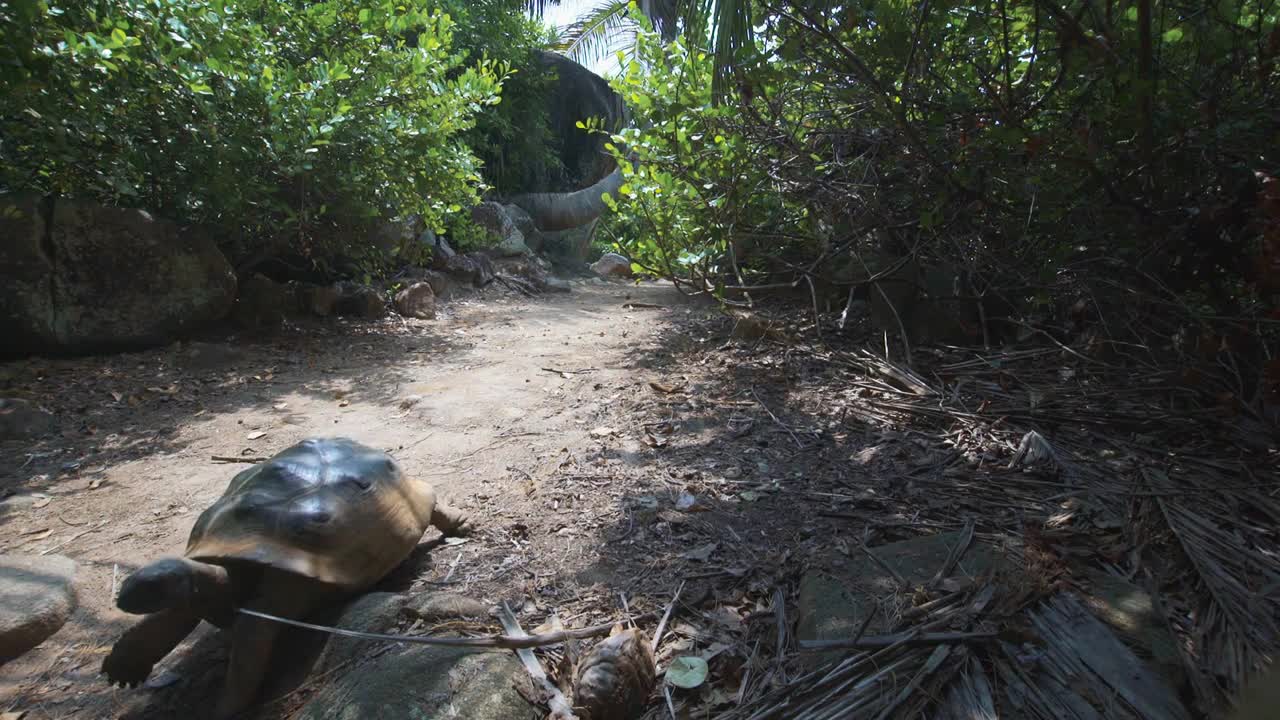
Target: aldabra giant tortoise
[{"x": 322, "y": 518}]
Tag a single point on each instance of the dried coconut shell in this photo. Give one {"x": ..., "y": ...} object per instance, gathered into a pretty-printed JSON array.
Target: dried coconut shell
[{"x": 615, "y": 678}]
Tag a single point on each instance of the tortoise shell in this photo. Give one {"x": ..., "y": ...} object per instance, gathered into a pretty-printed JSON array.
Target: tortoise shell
[{"x": 328, "y": 509}]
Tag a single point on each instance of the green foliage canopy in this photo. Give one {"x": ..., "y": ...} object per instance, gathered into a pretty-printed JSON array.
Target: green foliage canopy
[{"x": 259, "y": 117}]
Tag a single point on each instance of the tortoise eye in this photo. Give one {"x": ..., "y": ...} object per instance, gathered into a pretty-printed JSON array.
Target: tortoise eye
[{"x": 361, "y": 481}]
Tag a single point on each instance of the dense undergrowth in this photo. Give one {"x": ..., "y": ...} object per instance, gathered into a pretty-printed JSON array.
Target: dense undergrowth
[
  {"x": 1107, "y": 165},
  {"x": 284, "y": 126}
]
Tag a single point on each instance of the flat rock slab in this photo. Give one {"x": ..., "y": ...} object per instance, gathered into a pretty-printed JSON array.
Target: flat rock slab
[
  {"x": 837, "y": 594},
  {"x": 36, "y": 598},
  {"x": 427, "y": 682}
]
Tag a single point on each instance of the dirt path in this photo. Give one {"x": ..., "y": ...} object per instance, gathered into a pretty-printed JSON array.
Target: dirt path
[{"x": 483, "y": 401}]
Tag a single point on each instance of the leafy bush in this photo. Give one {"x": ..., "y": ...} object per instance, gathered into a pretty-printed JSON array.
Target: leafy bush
[
  {"x": 266, "y": 119},
  {"x": 1018, "y": 140}
]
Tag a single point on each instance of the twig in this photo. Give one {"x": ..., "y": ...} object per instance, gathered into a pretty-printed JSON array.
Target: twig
[
  {"x": 902, "y": 582},
  {"x": 953, "y": 558},
  {"x": 776, "y": 420},
  {"x": 662, "y": 624},
  {"x": 249, "y": 460},
  {"x": 568, "y": 372},
  {"x": 491, "y": 642}
]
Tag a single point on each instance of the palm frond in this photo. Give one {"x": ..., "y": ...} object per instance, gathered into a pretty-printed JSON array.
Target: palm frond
[
  {"x": 601, "y": 30},
  {"x": 730, "y": 34},
  {"x": 537, "y": 7}
]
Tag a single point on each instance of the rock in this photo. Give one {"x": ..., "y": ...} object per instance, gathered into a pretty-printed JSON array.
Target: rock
[
  {"x": 427, "y": 682},
  {"x": 20, "y": 420},
  {"x": 36, "y": 598},
  {"x": 80, "y": 276},
  {"x": 475, "y": 269},
  {"x": 524, "y": 223},
  {"x": 838, "y": 592},
  {"x": 373, "y": 613},
  {"x": 317, "y": 300},
  {"x": 417, "y": 301},
  {"x": 442, "y": 286},
  {"x": 362, "y": 301},
  {"x": 612, "y": 265},
  {"x": 493, "y": 217},
  {"x": 511, "y": 246},
  {"x": 262, "y": 303},
  {"x": 436, "y": 606},
  {"x": 441, "y": 250},
  {"x": 576, "y": 95}
]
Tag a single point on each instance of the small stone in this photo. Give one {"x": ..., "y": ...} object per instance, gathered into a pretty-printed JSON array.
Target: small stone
[
  {"x": 36, "y": 598},
  {"x": 612, "y": 265},
  {"x": 417, "y": 301},
  {"x": 445, "y": 606}
]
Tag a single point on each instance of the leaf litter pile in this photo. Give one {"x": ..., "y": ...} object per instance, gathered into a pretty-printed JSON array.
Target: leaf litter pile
[{"x": 1108, "y": 548}]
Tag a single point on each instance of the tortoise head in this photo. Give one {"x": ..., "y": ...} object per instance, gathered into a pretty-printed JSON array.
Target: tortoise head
[{"x": 173, "y": 583}]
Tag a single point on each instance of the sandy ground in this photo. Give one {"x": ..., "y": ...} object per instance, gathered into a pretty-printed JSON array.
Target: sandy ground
[{"x": 486, "y": 400}]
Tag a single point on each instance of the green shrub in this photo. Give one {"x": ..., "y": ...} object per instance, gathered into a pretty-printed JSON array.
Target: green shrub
[{"x": 269, "y": 120}]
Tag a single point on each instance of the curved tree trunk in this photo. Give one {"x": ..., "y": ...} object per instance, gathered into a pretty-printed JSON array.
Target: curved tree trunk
[{"x": 563, "y": 211}]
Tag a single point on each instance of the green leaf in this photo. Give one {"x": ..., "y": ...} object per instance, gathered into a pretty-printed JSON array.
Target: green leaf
[
  {"x": 687, "y": 672},
  {"x": 1172, "y": 35}
]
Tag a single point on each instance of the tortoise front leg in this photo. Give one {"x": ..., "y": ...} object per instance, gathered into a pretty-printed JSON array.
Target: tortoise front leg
[
  {"x": 146, "y": 643},
  {"x": 280, "y": 594},
  {"x": 450, "y": 520}
]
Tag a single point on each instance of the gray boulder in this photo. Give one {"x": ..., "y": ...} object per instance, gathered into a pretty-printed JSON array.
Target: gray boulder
[
  {"x": 372, "y": 613},
  {"x": 427, "y": 682},
  {"x": 441, "y": 250},
  {"x": 36, "y": 598},
  {"x": 417, "y": 681},
  {"x": 493, "y": 217},
  {"x": 416, "y": 301},
  {"x": 475, "y": 269},
  {"x": 362, "y": 301},
  {"x": 79, "y": 276},
  {"x": 317, "y": 300},
  {"x": 612, "y": 265}
]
